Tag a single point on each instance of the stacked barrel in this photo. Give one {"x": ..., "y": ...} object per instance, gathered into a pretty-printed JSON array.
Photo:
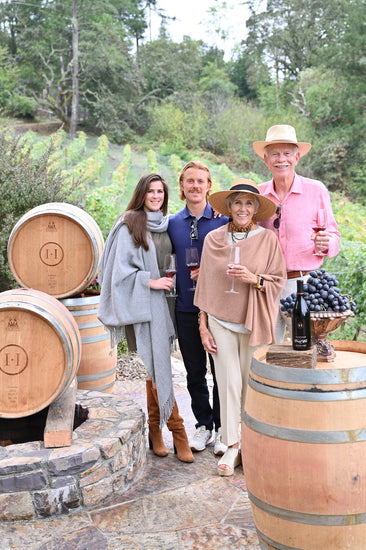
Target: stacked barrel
[{"x": 53, "y": 253}]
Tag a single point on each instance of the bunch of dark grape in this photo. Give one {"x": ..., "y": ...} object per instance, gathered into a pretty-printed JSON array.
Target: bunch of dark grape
[{"x": 321, "y": 293}]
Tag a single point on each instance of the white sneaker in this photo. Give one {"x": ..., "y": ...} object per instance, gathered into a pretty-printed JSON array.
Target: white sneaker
[
  {"x": 200, "y": 439},
  {"x": 220, "y": 447}
]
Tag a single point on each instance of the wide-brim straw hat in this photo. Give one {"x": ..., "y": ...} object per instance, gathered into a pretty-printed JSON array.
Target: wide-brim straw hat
[
  {"x": 282, "y": 133},
  {"x": 266, "y": 209}
]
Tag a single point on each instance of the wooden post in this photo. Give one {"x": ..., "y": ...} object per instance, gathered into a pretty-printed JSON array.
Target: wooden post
[{"x": 60, "y": 419}]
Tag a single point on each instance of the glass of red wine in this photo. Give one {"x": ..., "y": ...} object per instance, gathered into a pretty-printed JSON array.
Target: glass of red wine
[
  {"x": 170, "y": 269},
  {"x": 192, "y": 262},
  {"x": 320, "y": 225},
  {"x": 233, "y": 258}
]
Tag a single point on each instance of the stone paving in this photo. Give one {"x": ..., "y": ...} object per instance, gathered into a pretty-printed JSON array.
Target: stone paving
[{"x": 171, "y": 506}]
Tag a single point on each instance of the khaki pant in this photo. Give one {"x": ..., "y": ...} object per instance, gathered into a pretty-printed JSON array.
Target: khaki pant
[{"x": 232, "y": 366}]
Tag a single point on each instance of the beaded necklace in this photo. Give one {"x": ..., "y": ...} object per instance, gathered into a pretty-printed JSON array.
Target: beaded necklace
[
  {"x": 244, "y": 230},
  {"x": 241, "y": 229}
]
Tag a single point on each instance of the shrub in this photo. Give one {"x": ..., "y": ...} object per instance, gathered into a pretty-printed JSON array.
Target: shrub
[{"x": 25, "y": 182}]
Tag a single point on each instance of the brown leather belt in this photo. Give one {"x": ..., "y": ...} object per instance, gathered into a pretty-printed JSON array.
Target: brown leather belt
[{"x": 295, "y": 274}]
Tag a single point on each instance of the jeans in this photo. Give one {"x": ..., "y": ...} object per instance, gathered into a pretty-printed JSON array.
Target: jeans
[{"x": 195, "y": 362}]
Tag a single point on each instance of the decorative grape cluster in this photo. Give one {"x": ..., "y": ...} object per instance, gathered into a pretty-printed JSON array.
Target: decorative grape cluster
[{"x": 321, "y": 293}]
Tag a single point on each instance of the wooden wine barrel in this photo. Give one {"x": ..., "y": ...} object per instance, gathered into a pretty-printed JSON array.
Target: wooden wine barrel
[
  {"x": 55, "y": 248},
  {"x": 304, "y": 452},
  {"x": 97, "y": 369},
  {"x": 40, "y": 350}
]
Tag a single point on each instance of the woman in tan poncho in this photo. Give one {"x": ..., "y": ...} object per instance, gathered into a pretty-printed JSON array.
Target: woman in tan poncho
[{"x": 234, "y": 324}]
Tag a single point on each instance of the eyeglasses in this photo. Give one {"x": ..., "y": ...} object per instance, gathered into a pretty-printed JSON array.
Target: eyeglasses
[
  {"x": 194, "y": 229},
  {"x": 277, "y": 221}
]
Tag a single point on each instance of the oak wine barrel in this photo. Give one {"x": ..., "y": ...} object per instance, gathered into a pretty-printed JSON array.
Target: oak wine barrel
[
  {"x": 40, "y": 350},
  {"x": 97, "y": 369},
  {"x": 304, "y": 452},
  {"x": 55, "y": 248}
]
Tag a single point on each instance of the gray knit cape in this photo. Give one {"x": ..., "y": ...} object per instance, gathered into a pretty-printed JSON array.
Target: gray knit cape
[{"x": 124, "y": 272}]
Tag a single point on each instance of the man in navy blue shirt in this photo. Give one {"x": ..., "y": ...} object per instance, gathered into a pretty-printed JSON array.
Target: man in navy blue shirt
[{"x": 188, "y": 228}]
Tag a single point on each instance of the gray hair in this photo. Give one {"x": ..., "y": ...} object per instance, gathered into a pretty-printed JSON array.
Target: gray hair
[{"x": 231, "y": 197}]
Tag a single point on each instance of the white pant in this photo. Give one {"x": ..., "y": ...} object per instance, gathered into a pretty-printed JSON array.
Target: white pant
[{"x": 232, "y": 365}]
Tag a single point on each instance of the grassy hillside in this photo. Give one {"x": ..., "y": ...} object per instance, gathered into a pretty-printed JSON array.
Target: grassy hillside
[{"x": 109, "y": 174}]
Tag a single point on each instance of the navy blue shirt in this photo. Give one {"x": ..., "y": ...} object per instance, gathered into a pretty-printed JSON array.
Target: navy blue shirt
[{"x": 179, "y": 230}]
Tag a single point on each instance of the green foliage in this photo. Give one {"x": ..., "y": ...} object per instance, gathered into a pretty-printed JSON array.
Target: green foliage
[
  {"x": 101, "y": 204},
  {"x": 122, "y": 348},
  {"x": 167, "y": 124},
  {"x": 225, "y": 176},
  {"x": 350, "y": 264},
  {"x": 26, "y": 181},
  {"x": 350, "y": 268},
  {"x": 20, "y": 106},
  {"x": 90, "y": 168},
  {"x": 152, "y": 163}
]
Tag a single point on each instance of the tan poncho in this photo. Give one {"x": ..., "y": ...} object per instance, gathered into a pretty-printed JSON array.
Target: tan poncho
[{"x": 262, "y": 255}]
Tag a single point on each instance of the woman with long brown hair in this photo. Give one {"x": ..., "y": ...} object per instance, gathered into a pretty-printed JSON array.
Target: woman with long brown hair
[{"x": 133, "y": 293}]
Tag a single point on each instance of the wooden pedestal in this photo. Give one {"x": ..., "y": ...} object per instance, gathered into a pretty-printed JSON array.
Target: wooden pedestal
[
  {"x": 60, "y": 419},
  {"x": 285, "y": 356}
]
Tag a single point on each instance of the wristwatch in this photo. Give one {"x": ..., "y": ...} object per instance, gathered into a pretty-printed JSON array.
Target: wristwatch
[{"x": 260, "y": 282}]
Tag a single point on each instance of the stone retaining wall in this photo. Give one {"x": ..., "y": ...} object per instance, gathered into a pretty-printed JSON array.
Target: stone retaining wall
[{"x": 107, "y": 454}]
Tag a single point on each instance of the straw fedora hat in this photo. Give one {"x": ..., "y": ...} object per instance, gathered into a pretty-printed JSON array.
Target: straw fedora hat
[
  {"x": 266, "y": 207},
  {"x": 282, "y": 133}
]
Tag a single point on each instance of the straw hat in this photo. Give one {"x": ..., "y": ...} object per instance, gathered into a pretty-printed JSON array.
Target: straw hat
[
  {"x": 266, "y": 207},
  {"x": 282, "y": 133}
]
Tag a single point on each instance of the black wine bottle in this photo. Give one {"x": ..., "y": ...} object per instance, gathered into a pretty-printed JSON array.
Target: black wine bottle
[{"x": 301, "y": 329}]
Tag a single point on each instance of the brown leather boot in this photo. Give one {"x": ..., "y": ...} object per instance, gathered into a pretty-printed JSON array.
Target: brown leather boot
[
  {"x": 180, "y": 439},
  {"x": 156, "y": 442}
]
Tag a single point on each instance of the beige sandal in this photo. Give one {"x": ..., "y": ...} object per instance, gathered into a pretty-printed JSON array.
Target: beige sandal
[{"x": 230, "y": 460}]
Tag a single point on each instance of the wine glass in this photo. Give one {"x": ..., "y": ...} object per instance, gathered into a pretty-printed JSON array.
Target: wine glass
[
  {"x": 320, "y": 225},
  {"x": 234, "y": 258},
  {"x": 170, "y": 269},
  {"x": 192, "y": 262}
]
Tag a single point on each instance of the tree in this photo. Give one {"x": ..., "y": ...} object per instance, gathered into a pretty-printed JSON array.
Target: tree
[
  {"x": 291, "y": 34},
  {"x": 52, "y": 43},
  {"x": 170, "y": 68},
  {"x": 75, "y": 71}
]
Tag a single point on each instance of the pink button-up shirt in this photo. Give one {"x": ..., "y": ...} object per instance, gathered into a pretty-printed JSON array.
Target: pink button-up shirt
[{"x": 298, "y": 217}]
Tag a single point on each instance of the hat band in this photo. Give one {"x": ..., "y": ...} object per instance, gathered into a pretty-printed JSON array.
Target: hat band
[{"x": 244, "y": 187}]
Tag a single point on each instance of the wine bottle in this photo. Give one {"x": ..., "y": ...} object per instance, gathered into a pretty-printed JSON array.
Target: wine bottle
[{"x": 301, "y": 329}]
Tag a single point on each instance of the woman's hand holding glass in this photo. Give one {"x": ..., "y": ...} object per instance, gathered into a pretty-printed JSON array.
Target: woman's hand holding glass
[
  {"x": 164, "y": 283},
  {"x": 170, "y": 268}
]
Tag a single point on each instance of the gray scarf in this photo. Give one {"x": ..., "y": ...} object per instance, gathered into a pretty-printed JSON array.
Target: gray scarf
[{"x": 124, "y": 272}]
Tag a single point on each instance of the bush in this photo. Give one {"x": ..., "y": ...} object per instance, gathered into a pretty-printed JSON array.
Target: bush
[
  {"x": 25, "y": 182},
  {"x": 20, "y": 106},
  {"x": 349, "y": 268}
]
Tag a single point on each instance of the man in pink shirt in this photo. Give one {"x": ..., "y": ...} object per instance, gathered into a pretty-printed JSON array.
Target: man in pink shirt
[{"x": 303, "y": 206}]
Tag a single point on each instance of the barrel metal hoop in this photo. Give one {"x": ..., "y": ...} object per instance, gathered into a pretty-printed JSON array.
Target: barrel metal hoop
[
  {"x": 50, "y": 318},
  {"x": 307, "y": 395},
  {"x": 102, "y": 388},
  {"x": 272, "y": 543},
  {"x": 96, "y": 376},
  {"x": 304, "y": 436},
  {"x": 96, "y": 338},
  {"x": 88, "y": 300},
  {"x": 307, "y": 376},
  {"x": 84, "y": 326},
  {"x": 83, "y": 312},
  {"x": 306, "y": 518}
]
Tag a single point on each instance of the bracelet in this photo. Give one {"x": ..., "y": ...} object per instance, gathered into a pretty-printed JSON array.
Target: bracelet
[
  {"x": 200, "y": 314},
  {"x": 260, "y": 282}
]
